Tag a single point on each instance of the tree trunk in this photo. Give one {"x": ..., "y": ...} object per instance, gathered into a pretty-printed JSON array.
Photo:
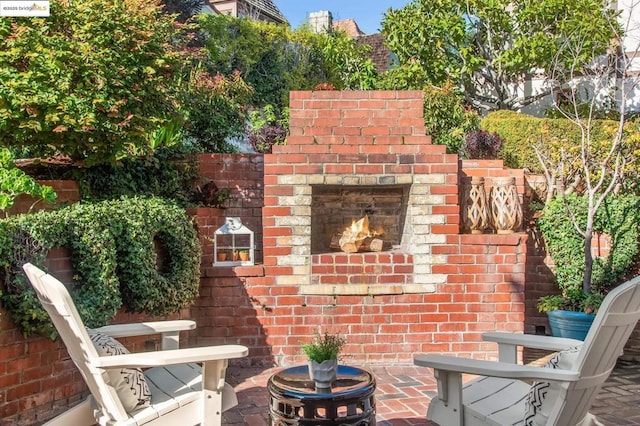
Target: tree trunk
[{"x": 588, "y": 257}]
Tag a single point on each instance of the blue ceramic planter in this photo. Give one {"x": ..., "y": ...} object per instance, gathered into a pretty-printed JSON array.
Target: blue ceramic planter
[{"x": 573, "y": 325}]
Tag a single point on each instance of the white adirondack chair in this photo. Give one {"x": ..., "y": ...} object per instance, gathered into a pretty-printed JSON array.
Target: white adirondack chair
[
  {"x": 500, "y": 397},
  {"x": 187, "y": 385}
]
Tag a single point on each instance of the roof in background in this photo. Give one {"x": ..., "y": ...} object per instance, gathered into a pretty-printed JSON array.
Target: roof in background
[
  {"x": 269, "y": 8},
  {"x": 380, "y": 54},
  {"x": 266, "y": 8},
  {"x": 349, "y": 26}
]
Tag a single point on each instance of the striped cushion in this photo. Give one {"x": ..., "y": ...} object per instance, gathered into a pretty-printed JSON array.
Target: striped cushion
[
  {"x": 129, "y": 383},
  {"x": 543, "y": 395}
]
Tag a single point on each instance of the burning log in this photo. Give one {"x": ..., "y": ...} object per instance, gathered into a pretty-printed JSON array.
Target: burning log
[
  {"x": 371, "y": 244},
  {"x": 357, "y": 238},
  {"x": 347, "y": 246}
]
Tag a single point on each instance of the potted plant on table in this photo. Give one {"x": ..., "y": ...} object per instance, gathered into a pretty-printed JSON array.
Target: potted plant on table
[{"x": 323, "y": 353}]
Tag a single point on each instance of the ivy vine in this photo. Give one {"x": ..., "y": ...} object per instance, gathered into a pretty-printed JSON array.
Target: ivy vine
[
  {"x": 153, "y": 286},
  {"x": 113, "y": 255},
  {"x": 618, "y": 218}
]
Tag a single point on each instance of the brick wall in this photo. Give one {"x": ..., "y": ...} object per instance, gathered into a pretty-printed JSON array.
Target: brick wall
[{"x": 66, "y": 190}]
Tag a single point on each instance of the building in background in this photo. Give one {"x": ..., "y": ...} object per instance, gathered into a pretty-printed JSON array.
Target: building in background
[
  {"x": 381, "y": 56},
  {"x": 260, "y": 10}
]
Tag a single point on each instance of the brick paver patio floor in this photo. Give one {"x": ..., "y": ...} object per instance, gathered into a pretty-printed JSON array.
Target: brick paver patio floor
[{"x": 403, "y": 394}]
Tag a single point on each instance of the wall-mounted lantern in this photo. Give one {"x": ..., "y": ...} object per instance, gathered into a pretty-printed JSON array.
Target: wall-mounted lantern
[{"x": 233, "y": 244}]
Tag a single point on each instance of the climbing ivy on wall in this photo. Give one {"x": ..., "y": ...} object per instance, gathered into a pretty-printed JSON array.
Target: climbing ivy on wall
[
  {"x": 618, "y": 218},
  {"x": 113, "y": 254}
]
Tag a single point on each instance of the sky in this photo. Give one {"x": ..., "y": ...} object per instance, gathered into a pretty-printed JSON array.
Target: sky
[{"x": 366, "y": 13}]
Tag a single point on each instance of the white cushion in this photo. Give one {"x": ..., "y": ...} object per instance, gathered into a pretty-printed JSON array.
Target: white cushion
[
  {"x": 543, "y": 395},
  {"x": 129, "y": 383}
]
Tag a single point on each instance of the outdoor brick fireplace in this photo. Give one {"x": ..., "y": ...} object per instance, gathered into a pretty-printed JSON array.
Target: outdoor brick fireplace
[{"x": 352, "y": 154}]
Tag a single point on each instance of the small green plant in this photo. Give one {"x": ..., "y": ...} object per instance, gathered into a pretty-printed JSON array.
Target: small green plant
[
  {"x": 324, "y": 346},
  {"x": 575, "y": 300}
]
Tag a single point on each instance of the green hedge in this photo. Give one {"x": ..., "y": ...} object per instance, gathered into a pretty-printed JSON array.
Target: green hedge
[
  {"x": 521, "y": 132},
  {"x": 113, "y": 253},
  {"x": 619, "y": 217}
]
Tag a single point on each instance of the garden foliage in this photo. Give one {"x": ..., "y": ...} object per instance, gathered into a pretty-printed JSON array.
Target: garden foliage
[
  {"x": 522, "y": 132},
  {"x": 91, "y": 81},
  {"x": 112, "y": 245},
  {"x": 149, "y": 176},
  {"x": 480, "y": 144},
  {"x": 489, "y": 47},
  {"x": 267, "y": 129},
  {"x": 447, "y": 117},
  {"x": 618, "y": 218},
  {"x": 273, "y": 59},
  {"x": 14, "y": 182},
  {"x": 215, "y": 109}
]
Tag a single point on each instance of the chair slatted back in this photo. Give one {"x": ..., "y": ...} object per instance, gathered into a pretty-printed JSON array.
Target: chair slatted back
[
  {"x": 614, "y": 323},
  {"x": 57, "y": 301}
]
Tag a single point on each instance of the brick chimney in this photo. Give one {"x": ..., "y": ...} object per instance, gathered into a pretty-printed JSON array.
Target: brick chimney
[{"x": 321, "y": 21}]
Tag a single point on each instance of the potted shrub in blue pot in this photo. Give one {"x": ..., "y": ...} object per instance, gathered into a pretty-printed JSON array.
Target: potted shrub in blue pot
[
  {"x": 571, "y": 314},
  {"x": 583, "y": 274}
]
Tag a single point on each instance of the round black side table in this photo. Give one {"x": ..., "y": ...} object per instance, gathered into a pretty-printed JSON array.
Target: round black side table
[{"x": 293, "y": 399}]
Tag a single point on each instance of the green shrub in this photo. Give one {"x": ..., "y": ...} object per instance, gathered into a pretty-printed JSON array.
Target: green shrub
[
  {"x": 113, "y": 255},
  {"x": 447, "y": 118},
  {"x": 522, "y": 132},
  {"x": 152, "y": 176},
  {"x": 480, "y": 144},
  {"x": 267, "y": 129},
  {"x": 90, "y": 81},
  {"x": 619, "y": 217},
  {"x": 150, "y": 286},
  {"x": 30, "y": 237},
  {"x": 215, "y": 110},
  {"x": 14, "y": 182}
]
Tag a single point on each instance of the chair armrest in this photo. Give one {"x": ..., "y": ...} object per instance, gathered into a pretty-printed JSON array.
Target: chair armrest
[
  {"x": 142, "y": 328},
  {"x": 532, "y": 340},
  {"x": 170, "y": 330},
  {"x": 508, "y": 343},
  {"x": 170, "y": 357},
  {"x": 494, "y": 368}
]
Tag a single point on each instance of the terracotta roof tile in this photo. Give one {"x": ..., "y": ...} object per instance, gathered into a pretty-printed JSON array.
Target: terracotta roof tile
[
  {"x": 349, "y": 26},
  {"x": 380, "y": 54}
]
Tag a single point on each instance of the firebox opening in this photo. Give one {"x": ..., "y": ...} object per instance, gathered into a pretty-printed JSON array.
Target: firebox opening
[{"x": 335, "y": 208}]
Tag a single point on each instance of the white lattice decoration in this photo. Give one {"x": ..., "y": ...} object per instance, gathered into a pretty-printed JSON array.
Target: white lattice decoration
[
  {"x": 506, "y": 214},
  {"x": 475, "y": 214}
]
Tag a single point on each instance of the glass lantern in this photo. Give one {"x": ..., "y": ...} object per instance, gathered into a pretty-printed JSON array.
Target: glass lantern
[{"x": 233, "y": 244}]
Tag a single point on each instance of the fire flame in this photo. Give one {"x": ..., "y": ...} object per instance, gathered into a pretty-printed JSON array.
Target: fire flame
[{"x": 359, "y": 229}]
